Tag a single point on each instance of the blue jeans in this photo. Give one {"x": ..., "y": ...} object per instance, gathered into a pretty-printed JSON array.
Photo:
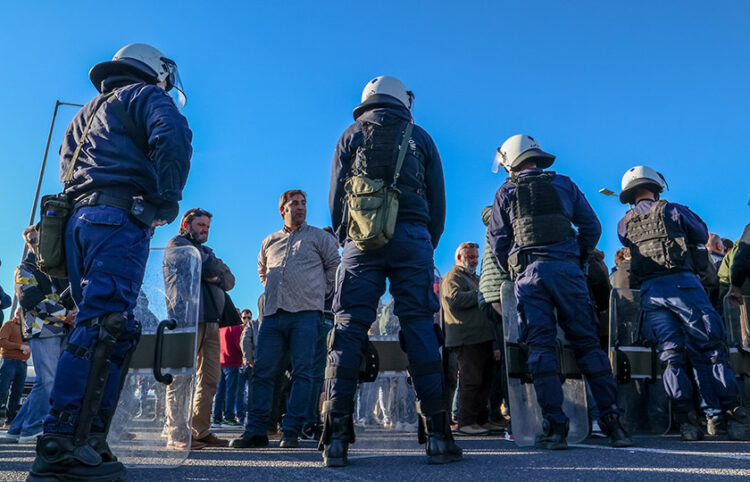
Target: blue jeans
[
  {"x": 12, "y": 376},
  {"x": 319, "y": 367},
  {"x": 45, "y": 353},
  {"x": 220, "y": 398},
  {"x": 281, "y": 333},
  {"x": 106, "y": 252},
  {"x": 232, "y": 377},
  {"x": 241, "y": 406}
]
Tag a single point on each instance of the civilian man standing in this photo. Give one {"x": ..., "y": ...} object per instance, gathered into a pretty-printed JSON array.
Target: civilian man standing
[
  {"x": 297, "y": 265},
  {"x": 216, "y": 279},
  {"x": 470, "y": 334}
]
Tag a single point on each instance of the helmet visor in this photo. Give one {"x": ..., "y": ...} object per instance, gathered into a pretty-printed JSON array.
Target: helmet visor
[
  {"x": 174, "y": 84},
  {"x": 497, "y": 162}
]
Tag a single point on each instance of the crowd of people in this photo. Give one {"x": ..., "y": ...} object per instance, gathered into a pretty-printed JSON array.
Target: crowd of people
[{"x": 306, "y": 367}]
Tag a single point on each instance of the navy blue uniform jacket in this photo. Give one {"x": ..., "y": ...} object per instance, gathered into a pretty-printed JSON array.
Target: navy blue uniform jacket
[
  {"x": 422, "y": 199},
  {"x": 111, "y": 162},
  {"x": 574, "y": 206}
]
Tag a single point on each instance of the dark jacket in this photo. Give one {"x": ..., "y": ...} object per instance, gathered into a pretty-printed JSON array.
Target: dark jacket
[
  {"x": 574, "y": 206},
  {"x": 5, "y": 302},
  {"x": 421, "y": 183},
  {"x": 212, "y": 292},
  {"x": 741, "y": 263},
  {"x": 111, "y": 161},
  {"x": 39, "y": 297}
]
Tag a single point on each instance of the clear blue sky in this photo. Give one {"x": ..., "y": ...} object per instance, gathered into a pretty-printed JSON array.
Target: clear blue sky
[{"x": 271, "y": 86}]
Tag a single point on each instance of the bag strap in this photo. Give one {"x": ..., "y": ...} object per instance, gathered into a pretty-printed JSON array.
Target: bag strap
[
  {"x": 69, "y": 172},
  {"x": 402, "y": 152}
]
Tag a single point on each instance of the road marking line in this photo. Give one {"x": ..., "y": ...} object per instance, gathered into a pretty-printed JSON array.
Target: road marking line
[{"x": 666, "y": 451}]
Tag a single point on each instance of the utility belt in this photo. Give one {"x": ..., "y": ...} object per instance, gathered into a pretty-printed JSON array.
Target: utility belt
[
  {"x": 138, "y": 209},
  {"x": 56, "y": 209},
  {"x": 519, "y": 261}
]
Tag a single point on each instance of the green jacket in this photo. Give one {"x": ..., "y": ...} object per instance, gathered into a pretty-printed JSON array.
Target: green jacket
[
  {"x": 465, "y": 323},
  {"x": 725, "y": 273},
  {"x": 491, "y": 277}
]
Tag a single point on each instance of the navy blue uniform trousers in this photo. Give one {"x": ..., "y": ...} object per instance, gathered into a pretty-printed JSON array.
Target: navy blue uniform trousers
[
  {"x": 408, "y": 264},
  {"x": 681, "y": 321},
  {"x": 106, "y": 252},
  {"x": 551, "y": 292}
]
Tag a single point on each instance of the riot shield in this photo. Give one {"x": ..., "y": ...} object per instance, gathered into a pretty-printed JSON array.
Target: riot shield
[
  {"x": 152, "y": 425},
  {"x": 738, "y": 342},
  {"x": 525, "y": 413},
  {"x": 636, "y": 366},
  {"x": 389, "y": 402}
]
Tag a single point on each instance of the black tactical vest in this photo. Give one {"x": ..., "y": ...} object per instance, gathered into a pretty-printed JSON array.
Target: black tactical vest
[
  {"x": 376, "y": 157},
  {"x": 538, "y": 218},
  {"x": 656, "y": 248}
]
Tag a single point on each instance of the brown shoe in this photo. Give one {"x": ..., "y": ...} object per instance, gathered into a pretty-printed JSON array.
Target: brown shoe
[
  {"x": 212, "y": 440},
  {"x": 194, "y": 445}
]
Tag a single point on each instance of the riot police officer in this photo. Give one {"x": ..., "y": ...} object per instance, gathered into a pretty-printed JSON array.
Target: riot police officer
[
  {"x": 531, "y": 235},
  {"x": 384, "y": 151},
  {"x": 666, "y": 245},
  {"x": 124, "y": 161}
]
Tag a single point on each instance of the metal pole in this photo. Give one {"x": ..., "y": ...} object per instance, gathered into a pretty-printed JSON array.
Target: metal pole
[{"x": 39, "y": 187}]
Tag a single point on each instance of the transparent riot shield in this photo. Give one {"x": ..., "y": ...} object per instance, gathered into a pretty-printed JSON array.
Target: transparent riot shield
[
  {"x": 636, "y": 366},
  {"x": 738, "y": 341},
  {"x": 152, "y": 425},
  {"x": 389, "y": 402},
  {"x": 525, "y": 413}
]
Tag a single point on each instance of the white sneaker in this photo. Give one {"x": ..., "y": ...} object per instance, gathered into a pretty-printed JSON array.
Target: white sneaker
[{"x": 29, "y": 439}]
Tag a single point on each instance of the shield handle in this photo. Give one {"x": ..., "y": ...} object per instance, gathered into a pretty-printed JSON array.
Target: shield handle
[{"x": 158, "y": 375}]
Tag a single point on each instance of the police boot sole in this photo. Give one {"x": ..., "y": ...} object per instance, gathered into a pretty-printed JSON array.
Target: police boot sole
[
  {"x": 551, "y": 445},
  {"x": 691, "y": 437},
  {"x": 443, "y": 459},
  {"x": 741, "y": 433},
  {"x": 621, "y": 443},
  {"x": 335, "y": 461},
  {"x": 58, "y": 477}
]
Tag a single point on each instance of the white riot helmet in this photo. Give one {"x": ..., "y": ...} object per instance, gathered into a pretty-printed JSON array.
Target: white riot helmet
[
  {"x": 518, "y": 149},
  {"x": 145, "y": 62},
  {"x": 387, "y": 85},
  {"x": 640, "y": 176}
]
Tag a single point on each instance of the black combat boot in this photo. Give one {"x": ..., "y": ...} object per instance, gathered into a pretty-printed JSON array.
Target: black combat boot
[
  {"x": 738, "y": 423},
  {"x": 554, "y": 435},
  {"x": 58, "y": 459},
  {"x": 690, "y": 427},
  {"x": 338, "y": 432},
  {"x": 438, "y": 439},
  {"x": 611, "y": 425}
]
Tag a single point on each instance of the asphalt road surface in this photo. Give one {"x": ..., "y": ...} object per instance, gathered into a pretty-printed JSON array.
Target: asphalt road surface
[{"x": 389, "y": 455}]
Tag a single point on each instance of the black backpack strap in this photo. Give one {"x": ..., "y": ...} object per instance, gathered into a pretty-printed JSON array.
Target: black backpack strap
[{"x": 402, "y": 152}]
